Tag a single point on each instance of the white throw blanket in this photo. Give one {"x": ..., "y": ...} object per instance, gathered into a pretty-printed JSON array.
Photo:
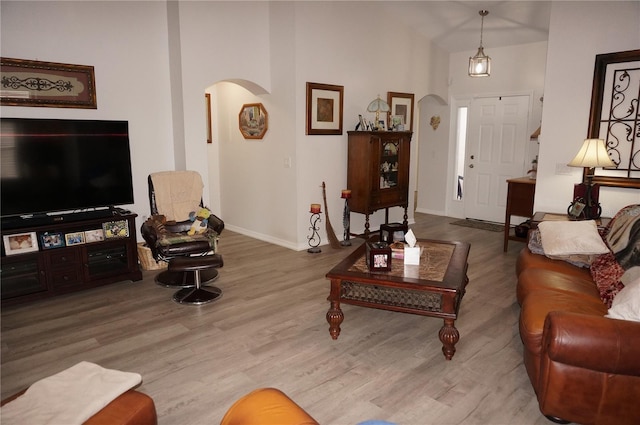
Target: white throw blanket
[
  {"x": 69, "y": 397},
  {"x": 177, "y": 193}
]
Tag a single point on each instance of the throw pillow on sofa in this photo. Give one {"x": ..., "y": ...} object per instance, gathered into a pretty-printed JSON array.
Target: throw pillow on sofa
[
  {"x": 607, "y": 274},
  {"x": 565, "y": 238},
  {"x": 626, "y": 304}
]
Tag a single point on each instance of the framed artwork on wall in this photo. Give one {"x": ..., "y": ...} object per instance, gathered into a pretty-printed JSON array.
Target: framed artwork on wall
[
  {"x": 207, "y": 101},
  {"x": 34, "y": 83},
  {"x": 253, "y": 121},
  {"x": 401, "y": 104},
  {"x": 615, "y": 99},
  {"x": 324, "y": 109}
]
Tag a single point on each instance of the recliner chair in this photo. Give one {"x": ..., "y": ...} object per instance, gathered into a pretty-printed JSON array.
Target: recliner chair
[{"x": 172, "y": 195}]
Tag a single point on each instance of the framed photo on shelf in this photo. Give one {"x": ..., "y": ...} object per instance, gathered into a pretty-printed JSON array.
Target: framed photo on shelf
[
  {"x": 401, "y": 104},
  {"x": 35, "y": 83},
  {"x": 324, "y": 109},
  {"x": 396, "y": 122},
  {"x": 253, "y": 121},
  {"x": 50, "y": 240},
  {"x": 75, "y": 238},
  {"x": 20, "y": 243},
  {"x": 95, "y": 235},
  {"x": 115, "y": 229}
]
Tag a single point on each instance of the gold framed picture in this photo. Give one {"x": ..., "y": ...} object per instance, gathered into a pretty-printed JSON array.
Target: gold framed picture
[{"x": 35, "y": 83}]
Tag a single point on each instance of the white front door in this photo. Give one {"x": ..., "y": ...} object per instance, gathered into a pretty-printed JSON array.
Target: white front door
[{"x": 496, "y": 145}]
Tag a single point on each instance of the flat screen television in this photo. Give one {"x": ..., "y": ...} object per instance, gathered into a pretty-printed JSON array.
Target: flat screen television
[{"x": 55, "y": 165}]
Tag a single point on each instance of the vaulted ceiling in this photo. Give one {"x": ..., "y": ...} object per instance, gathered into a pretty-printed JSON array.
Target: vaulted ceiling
[{"x": 454, "y": 26}]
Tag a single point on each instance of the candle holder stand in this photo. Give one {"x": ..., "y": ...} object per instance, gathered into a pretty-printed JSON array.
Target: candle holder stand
[
  {"x": 314, "y": 239},
  {"x": 346, "y": 222}
]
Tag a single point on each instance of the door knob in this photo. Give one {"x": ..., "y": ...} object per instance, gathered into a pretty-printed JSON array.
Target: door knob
[
  {"x": 470, "y": 165},
  {"x": 472, "y": 157}
]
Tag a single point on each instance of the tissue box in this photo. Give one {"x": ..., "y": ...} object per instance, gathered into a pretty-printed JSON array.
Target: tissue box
[{"x": 412, "y": 255}]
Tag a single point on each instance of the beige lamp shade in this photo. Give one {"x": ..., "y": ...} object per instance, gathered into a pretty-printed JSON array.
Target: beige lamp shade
[
  {"x": 593, "y": 153},
  {"x": 378, "y": 105}
]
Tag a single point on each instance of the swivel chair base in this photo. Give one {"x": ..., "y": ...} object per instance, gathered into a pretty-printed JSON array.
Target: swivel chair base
[
  {"x": 183, "y": 279},
  {"x": 197, "y": 265},
  {"x": 197, "y": 296}
]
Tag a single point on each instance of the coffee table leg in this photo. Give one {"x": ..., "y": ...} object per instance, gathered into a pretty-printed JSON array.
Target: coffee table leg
[
  {"x": 449, "y": 336},
  {"x": 335, "y": 318}
]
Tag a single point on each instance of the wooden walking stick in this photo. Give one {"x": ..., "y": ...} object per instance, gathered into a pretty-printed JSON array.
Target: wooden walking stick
[{"x": 333, "y": 239}]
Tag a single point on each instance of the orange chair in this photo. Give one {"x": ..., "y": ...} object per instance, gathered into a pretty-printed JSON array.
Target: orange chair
[{"x": 266, "y": 406}]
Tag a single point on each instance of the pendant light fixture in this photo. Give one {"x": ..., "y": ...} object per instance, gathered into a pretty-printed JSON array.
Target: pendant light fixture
[{"x": 480, "y": 64}]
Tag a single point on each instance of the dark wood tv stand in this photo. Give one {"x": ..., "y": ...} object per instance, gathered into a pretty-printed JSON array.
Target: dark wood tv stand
[{"x": 53, "y": 271}]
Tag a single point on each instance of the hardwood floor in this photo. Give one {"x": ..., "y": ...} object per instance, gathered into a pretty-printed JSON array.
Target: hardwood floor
[{"x": 269, "y": 330}]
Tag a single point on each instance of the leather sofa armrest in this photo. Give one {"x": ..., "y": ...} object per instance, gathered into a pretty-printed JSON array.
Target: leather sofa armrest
[
  {"x": 592, "y": 342},
  {"x": 215, "y": 223}
]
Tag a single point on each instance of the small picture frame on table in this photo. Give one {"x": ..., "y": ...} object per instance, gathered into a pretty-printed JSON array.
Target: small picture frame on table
[
  {"x": 20, "y": 243},
  {"x": 50, "y": 240},
  {"x": 115, "y": 229},
  {"x": 75, "y": 238},
  {"x": 95, "y": 235},
  {"x": 378, "y": 256}
]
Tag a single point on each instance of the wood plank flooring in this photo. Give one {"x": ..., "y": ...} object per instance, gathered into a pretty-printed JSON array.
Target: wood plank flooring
[{"x": 269, "y": 330}]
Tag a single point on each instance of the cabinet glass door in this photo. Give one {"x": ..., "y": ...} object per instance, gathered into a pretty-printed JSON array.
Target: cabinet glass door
[{"x": 389, "y": 164}]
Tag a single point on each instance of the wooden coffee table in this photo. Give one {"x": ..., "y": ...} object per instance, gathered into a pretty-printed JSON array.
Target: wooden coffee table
[{"x": 433, "y": 288}]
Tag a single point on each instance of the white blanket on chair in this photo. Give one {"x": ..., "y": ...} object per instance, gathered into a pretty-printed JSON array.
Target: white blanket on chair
[
  {"x": 177, "y": 193},
  {"x": 69, "y": 397}
]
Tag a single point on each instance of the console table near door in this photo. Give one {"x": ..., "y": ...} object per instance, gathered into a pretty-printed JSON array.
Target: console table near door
[{"x": 520, "y": 194}]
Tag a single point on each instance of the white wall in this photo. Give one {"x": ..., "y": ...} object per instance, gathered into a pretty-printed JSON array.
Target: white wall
[
  {"x": 279, "y": 46},
  {"x": 577, "y": 33},
  {"x": 155, "y": 65},
  {"x": 395, "y": 59},
  {"x": 131, "y": 69},
  {"x": 259, "y": 195}
]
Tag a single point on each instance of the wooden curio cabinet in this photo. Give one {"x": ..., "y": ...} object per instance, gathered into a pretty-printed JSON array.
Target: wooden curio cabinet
[{"x": 378, "y": 172}]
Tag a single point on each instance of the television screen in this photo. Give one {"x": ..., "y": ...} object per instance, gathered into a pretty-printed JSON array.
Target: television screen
[{"x": 50, "y": 165}]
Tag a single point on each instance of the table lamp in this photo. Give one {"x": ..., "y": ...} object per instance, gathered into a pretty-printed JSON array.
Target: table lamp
[
  {"x": 592, "y": 154},
  {"x": 378, "y": 105}
]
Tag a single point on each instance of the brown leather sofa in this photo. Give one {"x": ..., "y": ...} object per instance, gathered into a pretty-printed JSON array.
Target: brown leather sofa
[
  {"x": 584, "y": 367},
  {"x": 130, "y": 408}
]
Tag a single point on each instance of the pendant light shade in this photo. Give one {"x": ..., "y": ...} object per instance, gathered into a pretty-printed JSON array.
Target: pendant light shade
[{"x": 480, "y": 64}]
